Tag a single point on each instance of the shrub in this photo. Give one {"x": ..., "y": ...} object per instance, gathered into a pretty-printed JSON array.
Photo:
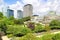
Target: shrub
[
  {"x": 9, "y": 35},
  {"x": 31, "y": 25},
  {"x": 19, "y": 21},
  {"x": 17, "y": 30},
  {"x": 22, "y": 31},
  {"x": 47, "y": 27},
  {"x": 56, "y": 37},
  {"x": 3, "y": 26},
  {"x": 54, "y": 24},
  {"x": 39, "y": 28},
  {"x": 29, "y": 36},
  {"x": 47, "y": 36}
]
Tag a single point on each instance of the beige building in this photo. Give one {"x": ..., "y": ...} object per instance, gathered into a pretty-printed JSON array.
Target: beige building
[
  {"x": 47, "y": 18},
  {"x": 27, "y": 10},
  {"x": 50, "y": 16},
  {"x": 36, "y": 18}
]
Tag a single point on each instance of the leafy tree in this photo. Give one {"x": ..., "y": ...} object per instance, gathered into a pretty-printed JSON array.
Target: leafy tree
[
  {"x": 11, "y": 18},
  {"x": 1, "y": 15},
  {"x": 3, "y": 26},
  {"x": 19, "y": 21}
]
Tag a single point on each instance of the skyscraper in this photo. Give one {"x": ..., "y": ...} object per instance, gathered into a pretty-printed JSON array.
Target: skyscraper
[
  {"x": 7, "y": 12},
  {"x": 27, "y": 10},
  {"x": 10, "y": 12},
  {"x": 19, "y": 14}
]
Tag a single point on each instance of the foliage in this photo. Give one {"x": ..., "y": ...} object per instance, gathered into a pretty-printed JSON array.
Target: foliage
[
  {"x": 26, "y": 18},
  {"x": 18, "y": 30},
  {"x": 29, "y": 36},
  {"x": 9, "y": 35},
  {"x": 19, "y": 21},
  {"x": 31, "y": 25},
  {"x": 3, "y": 26},
  {"x": 1, "y": 15},
  {"x": 47, "y": 27},
  {"x": 55, "y": 24},
  {"x": 47, "y": 37},
  {"x": 56, "y": 37},
  {"x": 11, "y": 18},
  {"x": 39, "y": 28}
]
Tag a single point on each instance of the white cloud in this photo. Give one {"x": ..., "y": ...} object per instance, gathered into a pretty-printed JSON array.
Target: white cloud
[
  {"x": 17, "y": 6},
  {"x": 39, "y": 6},
  {"x": 1, "y": 5},
  {"x": 1, "y": 1}
]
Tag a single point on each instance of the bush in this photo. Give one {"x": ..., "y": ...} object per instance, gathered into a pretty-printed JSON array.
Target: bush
[
  {"x": 55, "y": 24},
  {"x": 47, "y": 27},
  {"x": 47, "y": 36},
  {"x": 31, "y": 25},
  {"x": 39, "y": 28},
  {"x": 9, "y": 35},
  {"x": 29, "y": 36},
  {"x": 19, "y": 21},
  {"x": 3, "y": 26},
  {"x": 22, "y": 31},
  {"x": 17, "y": 30},
  {"x": 26, "y": 18},
  {"x": 56, "y": 37}
]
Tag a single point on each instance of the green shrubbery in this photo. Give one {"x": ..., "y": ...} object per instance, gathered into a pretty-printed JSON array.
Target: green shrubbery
[
  {"x": 31, "y": 25},
  {"x": 29, "y": 36},
  {"x": 39, "y": 28},
  {"x": 10, "y": 27},
  {"x": 17, "y": 30},
  {"x": 51, "y": 37},
  {"x": 48, "y": 36},
  {"x": 56, "y": 37},
  {"x": 55, "y": 24}
]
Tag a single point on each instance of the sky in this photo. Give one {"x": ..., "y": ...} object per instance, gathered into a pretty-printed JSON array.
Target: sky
[{"x": 40, "y": 7}]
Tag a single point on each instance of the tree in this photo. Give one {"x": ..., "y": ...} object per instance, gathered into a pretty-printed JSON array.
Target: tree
[
  {"x": 19, "y": 21},
  {"x": 3, "y": 26},
  {"x": 11, "y": 18},
  {"x": 1, "y": 15}
]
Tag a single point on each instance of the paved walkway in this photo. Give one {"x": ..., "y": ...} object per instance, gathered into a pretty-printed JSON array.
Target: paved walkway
[{"x": 5, "y": 38}]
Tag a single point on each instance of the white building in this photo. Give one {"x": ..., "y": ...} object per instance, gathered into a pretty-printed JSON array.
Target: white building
[
  {"x": 19, "y": 14},
  {"x": 27, "y": 10}
]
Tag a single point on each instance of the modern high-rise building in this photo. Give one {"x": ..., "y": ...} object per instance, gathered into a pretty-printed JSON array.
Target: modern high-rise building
[
  {"x": 27, "y": 10},
  {"x": 10, "y": 12},
  {"x": 19, "y": 14},
  {"x": 7, "y": 12}
]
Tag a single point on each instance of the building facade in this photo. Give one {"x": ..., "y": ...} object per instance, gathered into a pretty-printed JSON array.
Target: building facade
[
  {"x": 19, "y": 14},
  {"x": 7, "y": 12},
  {"x": 10, "y": 12},
  {"x": 27, "y": 10}
]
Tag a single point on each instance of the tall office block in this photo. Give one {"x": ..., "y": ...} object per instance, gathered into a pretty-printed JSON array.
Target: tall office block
[
  {"x": 10, "y": 12},
  {"x": 19, "y": 14},
  {"x": 27, "y": 10},
  {"x": 7, "y": 12}
]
